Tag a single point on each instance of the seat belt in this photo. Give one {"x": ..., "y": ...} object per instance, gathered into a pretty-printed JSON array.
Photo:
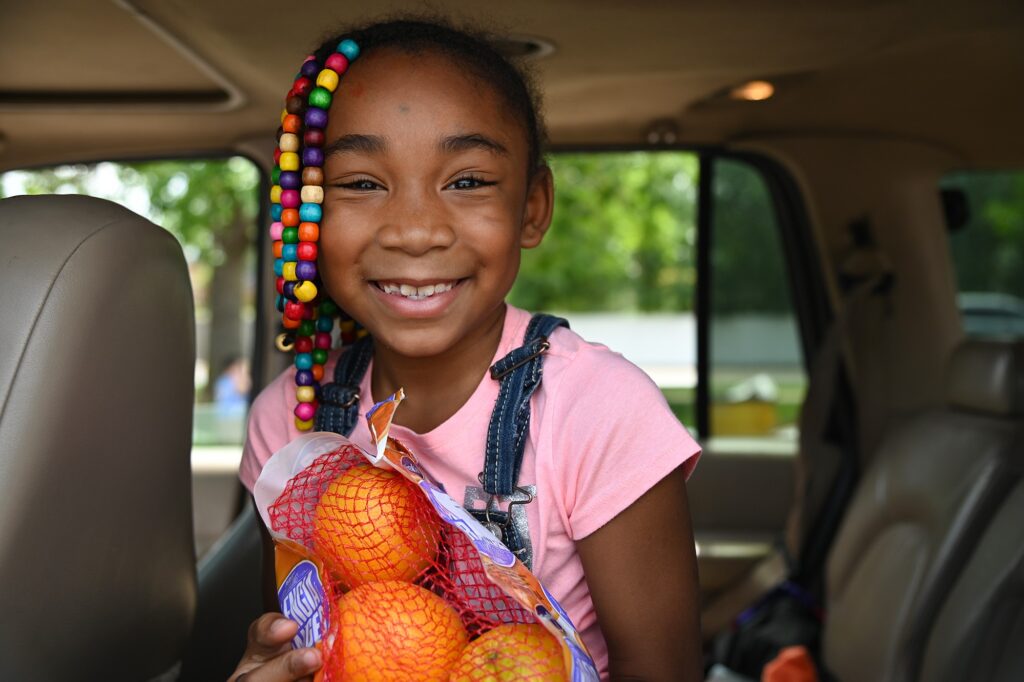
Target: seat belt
[
  {"x": 827, "y": 443},
  {"x": 807, "y": 536}
]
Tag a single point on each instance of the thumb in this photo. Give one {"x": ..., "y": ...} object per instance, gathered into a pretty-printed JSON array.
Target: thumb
[{"x": 269, "y": 635}]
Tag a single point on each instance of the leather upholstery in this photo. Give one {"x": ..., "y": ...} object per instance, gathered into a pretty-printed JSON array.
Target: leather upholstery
[
  {"x": 979, "y": 631},
  {"x": 96, "y": 387},
  {"x": 987, "y": 376},
  {"x": 933, "y": 484}
]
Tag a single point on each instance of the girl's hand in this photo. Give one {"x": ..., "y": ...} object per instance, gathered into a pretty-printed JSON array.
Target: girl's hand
[{"x": 269, "y": 656}]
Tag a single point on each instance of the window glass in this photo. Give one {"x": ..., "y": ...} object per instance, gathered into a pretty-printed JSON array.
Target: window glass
[
  {"x": 211, "y": 206},
  {"x": 988, "y": 251},
  {"x": 619, "y": 261},
  {"x": 756, "y": 366}
]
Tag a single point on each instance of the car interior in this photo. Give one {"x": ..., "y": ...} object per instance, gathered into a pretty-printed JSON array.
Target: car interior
[{"x": 810, "y": 214}]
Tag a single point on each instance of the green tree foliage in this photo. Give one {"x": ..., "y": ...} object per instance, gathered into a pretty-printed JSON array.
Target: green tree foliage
[
  {"x": 989, "y": 250},
  {"x": 211, "y": 206},
  {"x": 747, "y": 265},
  {"x": 622, "y": 238}
]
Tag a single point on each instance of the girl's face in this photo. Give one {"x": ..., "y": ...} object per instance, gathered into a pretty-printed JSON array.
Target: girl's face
[{"x": 427, "y": 202}]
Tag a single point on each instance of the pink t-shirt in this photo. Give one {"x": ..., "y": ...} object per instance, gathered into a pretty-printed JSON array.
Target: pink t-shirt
[{"x": 601, "y": 435}]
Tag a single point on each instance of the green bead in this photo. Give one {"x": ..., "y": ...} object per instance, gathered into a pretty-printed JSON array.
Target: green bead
[
  {"x": 275, "y": 176},
  {"x": 320, "y": 97},
  {"x": 328, "y": 307},
  {"x": 319, "y": 356},
  {"x": 290, "y": 235},
  {"x": 307, "y": 328}
]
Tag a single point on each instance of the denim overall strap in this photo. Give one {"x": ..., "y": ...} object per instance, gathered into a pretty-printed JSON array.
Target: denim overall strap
[
  {"x": 519, "y": 373},
  {"x": 339, "y": 400}
]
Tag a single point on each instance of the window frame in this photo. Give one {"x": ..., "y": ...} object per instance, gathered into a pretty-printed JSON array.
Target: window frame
[{"x": 807, "y": 288}]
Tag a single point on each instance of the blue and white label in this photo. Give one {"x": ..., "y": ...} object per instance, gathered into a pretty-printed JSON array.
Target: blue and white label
[
  {"x": 302, "y": 600},
  {"x": 484, "y": 541}
]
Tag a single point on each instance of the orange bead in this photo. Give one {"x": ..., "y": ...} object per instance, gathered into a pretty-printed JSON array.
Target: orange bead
[
  {"x": 318, "y": 372},
  {"x": 290, "y": 217},
  {"x": 291, "y": 124},
  {"x": 309, "y": 232},
  {"x": 278, "y": 248},
  {"x": 289, "y": 323}
]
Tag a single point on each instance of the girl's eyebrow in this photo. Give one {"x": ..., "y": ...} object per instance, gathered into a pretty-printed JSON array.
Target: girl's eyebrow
[
  {"x": 375, "y": 144},
  {"x": 365, "y": 144},
  {"x": 454, "y": 144}
]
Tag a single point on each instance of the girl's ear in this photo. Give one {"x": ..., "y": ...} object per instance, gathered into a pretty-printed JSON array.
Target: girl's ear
[{"x": 540, "y": 201}]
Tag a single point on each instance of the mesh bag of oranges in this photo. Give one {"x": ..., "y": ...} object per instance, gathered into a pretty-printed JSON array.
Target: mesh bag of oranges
[{"x": 394, "y": 581}]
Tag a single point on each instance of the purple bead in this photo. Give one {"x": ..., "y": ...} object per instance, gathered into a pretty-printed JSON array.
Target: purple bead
[
  {"x": 304, "y": 378},
  {"x": 290, "y": 180},
  {"x": 310, "y": 69},
  {"x": 316, "y": 117},
  {"x": 312, "y": 156},
  {"x": 289, "y": 290},
  {"x": 305, "y": 270}
]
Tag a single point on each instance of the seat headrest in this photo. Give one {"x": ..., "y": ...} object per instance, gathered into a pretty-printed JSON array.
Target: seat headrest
[
  {"x": 987, "y": 375},
  {"x": 97, "y": 360}
]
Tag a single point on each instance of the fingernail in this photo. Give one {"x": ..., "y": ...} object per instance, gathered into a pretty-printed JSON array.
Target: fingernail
[
  {"x": 279, "y": 626},
  {"x": 310, "y": 658}
]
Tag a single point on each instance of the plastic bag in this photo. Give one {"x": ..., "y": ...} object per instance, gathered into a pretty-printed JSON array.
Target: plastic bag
[{"x": 393, "y": 580}]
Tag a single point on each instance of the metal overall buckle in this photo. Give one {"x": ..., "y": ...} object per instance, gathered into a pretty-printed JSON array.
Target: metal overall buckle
[
  {"x": 497, "y": 528},
  {"x": 541, "y": 349}
]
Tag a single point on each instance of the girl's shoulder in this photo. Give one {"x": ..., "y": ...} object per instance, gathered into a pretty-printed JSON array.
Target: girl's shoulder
[{"x": 575, "y": 363}]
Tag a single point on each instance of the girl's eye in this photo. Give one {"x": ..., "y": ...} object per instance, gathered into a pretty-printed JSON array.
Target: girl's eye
[
  {"x": 361, "y": 185},
  {"x": 469, "y": 182}
]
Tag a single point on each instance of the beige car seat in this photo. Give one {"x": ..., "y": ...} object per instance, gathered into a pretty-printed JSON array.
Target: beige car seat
[
  {"x": 918, "y": 511},
  {"x": 97, "y": 566},
  {"x": 980, "y": 631}
]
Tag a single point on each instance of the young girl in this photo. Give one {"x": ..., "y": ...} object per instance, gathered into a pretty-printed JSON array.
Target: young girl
[{"x": 429, "y": 155}]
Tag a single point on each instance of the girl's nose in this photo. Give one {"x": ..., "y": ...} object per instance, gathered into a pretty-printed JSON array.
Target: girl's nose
[{"x": 416, "y": 227}]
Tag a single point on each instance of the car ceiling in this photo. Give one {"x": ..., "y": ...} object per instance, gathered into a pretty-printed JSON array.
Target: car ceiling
[{"x": 84, "y": 80}]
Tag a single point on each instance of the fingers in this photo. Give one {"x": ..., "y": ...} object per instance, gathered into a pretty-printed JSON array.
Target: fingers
[
  {"x": 290, "y": 667},
  {"x": 269, "y": 656},
  {"x": 269, "y": 633}
]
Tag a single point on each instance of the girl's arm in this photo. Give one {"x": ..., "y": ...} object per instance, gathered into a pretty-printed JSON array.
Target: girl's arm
[{"x": 641, "y": 569}]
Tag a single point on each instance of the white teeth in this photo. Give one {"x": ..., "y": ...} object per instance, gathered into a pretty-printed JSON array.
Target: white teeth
[{"x": 415, "y": 293}]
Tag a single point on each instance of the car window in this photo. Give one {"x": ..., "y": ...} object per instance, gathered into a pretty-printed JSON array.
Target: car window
[
  {"x": 211, "y": 206},
  {"x": 620, "y": 263},
  {"x": 987, "y": 248},
  {"x": 757, "y": 376}
]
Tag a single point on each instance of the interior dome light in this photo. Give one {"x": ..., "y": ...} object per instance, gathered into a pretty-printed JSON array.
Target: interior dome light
[{"x": 753, "y": 91}]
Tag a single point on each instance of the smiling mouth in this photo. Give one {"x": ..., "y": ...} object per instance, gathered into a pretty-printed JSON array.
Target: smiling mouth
[{"x": 416, "y": 293}]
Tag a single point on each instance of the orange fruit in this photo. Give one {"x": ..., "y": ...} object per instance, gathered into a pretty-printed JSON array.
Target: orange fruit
[
  {"x": 512, "y": 653},
  {"x": 395, "y": 632},
  {"x": 372, "y": 524}
]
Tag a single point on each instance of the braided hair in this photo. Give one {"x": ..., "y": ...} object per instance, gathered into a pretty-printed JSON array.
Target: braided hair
[{"x": 296, "y": 195}]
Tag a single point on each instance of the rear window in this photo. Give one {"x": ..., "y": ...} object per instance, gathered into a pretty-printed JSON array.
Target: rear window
[{"x": 987, "y": 246}]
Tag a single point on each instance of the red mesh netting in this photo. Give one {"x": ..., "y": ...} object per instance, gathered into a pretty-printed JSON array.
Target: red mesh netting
[{"x": 407, "y": 596}]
